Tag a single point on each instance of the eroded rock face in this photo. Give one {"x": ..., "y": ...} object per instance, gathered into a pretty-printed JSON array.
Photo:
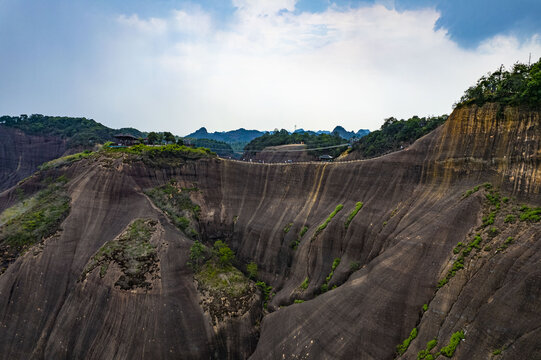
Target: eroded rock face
[
  {"x": 21, "y": 154},
  {"x": 392, "y": 255}
]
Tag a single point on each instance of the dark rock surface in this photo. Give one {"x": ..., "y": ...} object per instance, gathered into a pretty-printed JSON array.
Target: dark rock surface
[
  {"x": 21, "y": 154},
  {"x": 402, "y": 240}
]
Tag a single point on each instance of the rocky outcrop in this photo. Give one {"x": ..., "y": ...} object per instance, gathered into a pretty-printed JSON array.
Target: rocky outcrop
[{"x": 392, "y": 254}]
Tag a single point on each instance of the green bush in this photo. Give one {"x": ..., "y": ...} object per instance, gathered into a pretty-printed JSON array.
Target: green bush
[
  {"x": 450, "y": 349},
  {"x": 358, "y": 207},
  {"x": 510, "y": 218},
  {"x": 305, "y": 283},
  {"x": 401, "y": 349},
  {"x": 425, "y": 354},
  {"x": 298, "y": 301},
  {"x": 327, "y": 221},
  {"x": 354, "y": 266},
  {"x": 251, "y": 269},
  {"x": 288, "y": 227},
  {"x": 425, "y": 307},
  {"x": 295, "y": 244},
  {"x": 531, "y": 215},
  {"x": 266, "y": 290}
]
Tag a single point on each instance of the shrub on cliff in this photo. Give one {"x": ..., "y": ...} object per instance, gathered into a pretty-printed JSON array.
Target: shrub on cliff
[{"x": 519, "y": 86}]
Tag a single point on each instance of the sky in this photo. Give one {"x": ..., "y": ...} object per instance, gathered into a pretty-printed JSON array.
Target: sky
[{"x": 168, "y": 65}]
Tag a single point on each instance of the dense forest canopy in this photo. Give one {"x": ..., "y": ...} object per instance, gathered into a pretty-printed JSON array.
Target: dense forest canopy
[
  {"x": 519, "y": 86},
  {"x": 395, "y": 134},
  {"x": 77, "y": 131},
  {"x": 283, "y": 137}
]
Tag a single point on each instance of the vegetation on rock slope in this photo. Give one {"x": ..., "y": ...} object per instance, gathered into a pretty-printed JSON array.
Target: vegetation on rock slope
[
  {"x": 133, "y": 253},
  {"x": 175, "y": 201},
  {"x": 31, "y": 220},
  {"x": 171, "y": 155},
  {"x": 225, "y": 291}
]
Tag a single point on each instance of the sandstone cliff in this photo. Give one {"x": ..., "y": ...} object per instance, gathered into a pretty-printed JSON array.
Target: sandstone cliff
[{"x": 418, "y": 205}]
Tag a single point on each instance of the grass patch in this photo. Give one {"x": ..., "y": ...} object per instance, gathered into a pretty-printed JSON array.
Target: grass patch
[
  {"x": 425, "y": 307},
  {"x": 177, "y": 204},
  {"x": 401, "y": 348},
  {"x": 30, "y": 221},
  {"x": 304, "y": 284},
  {"x": 358, "y": 207},
  {"x": 449, "y": 350},
  {"x": 322, "y": 227},
  {"x": 325, "y": 287},
  {"x": 134, "y": 254},
  {"x": 471, "y": 191},
  {"x": 298, "y": 301},
  {"x": 426, "y": 353},
  {"x": 227, "y": 279},
  {"x": 65, "y": 160},
  {"x": 530, "y": 214},
  {"x": 354, "y": 266}
]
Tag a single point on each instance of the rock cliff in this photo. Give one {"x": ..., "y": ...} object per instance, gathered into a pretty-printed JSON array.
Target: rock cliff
[{"x": 432, "y": 230}]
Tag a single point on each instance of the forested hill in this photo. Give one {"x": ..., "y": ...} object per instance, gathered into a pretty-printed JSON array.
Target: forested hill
[
  {"x": 283, "y": 137},
  {"x": 77, "y": 131},
  {"x": 394, "y": 135}
]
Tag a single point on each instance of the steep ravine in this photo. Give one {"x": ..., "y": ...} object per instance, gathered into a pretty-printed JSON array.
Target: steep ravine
[{"x": 392, "y": 255}]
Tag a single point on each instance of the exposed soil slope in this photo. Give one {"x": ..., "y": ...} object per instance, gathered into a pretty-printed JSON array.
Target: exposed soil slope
[{"x": 393, "y": 253}]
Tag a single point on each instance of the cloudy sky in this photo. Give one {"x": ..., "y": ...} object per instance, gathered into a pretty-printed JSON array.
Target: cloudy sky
[{"x": 170, "y": 65}]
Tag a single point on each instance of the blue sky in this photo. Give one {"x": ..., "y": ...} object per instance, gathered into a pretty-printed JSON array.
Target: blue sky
[{"x": 176, "y": 66}]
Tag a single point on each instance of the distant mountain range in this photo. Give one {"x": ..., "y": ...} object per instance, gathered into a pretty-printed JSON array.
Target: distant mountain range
[
  {"x": 233, "y": 136},
  {"x": 339, "y": 130},
  {"x": 245, "y": 136}
]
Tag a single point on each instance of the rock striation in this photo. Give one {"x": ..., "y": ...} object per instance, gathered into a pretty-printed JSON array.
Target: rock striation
[{"x": 418, "y": 205}]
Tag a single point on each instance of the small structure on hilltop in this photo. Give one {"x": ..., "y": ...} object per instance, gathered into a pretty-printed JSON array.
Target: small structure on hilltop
[
  {"x": 126, "y": 139},
  {"x": 325, "y": 158}
]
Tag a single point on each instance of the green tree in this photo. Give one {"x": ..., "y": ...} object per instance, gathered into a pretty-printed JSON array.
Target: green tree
[
  {"x": 251, "y": 268},
  {"x": 224, "y": 254},
  {"x": 152, "y": 137},
  {"x": 168, "y": 137},
  {"x": 198, "y": 255}
]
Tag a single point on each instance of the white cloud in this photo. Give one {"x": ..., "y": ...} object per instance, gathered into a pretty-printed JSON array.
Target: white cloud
[{"x": 271, "y": 68}]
